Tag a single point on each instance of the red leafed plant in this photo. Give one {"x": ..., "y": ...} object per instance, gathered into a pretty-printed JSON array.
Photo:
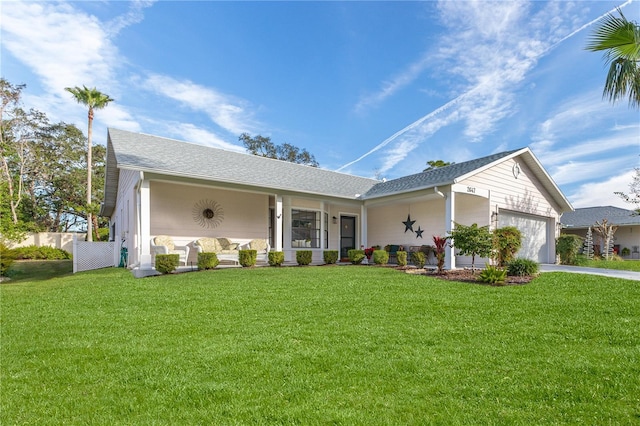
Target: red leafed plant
[
  {"x": 440, "y": 244},
  {"x": 368, "y": 252}
]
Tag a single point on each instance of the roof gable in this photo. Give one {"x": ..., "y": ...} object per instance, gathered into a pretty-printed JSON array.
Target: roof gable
[{"x": 432, "y": 178}]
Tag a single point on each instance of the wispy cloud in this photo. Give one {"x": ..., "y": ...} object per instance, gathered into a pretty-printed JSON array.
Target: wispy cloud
[
  {"x": 63, "y": 46},
  {"x": 230, "y": 113},
  {"x": 496, "y": 46},
  {"x": 391, "y": 87},
  {"x": 605, "y": 190},
  {"x": 134, "y": 15},
  {"x": 192, "y": 133},
  {"x": 583, "y": 115}
]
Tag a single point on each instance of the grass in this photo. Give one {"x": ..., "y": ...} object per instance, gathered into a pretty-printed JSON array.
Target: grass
[
  {"x": 318, "y": 345},
  {"x": 37, "y": 270},
  {"x": 625, "y": 265}
]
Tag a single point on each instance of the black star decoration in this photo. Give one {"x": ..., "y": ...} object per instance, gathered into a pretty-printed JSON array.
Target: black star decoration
[
  {"x": 409, "y": 224},
  {"x": 419, "y": 232}
]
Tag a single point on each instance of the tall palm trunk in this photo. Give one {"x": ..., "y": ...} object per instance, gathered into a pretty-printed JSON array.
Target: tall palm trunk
[{"x": 89, "y": 172}]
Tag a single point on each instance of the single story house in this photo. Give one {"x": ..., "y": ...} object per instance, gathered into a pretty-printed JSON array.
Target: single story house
[
  {"x": 626, "y": 236},
  {"x": 158, "y": 186}
]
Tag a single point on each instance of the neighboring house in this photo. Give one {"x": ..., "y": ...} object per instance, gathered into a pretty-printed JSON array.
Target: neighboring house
[
  {"x": 627, "y": 235},
  {"x": 158, "y": 186}
]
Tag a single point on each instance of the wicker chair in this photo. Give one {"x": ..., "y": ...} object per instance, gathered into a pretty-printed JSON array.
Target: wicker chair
[{"x": 163, "y": 244}]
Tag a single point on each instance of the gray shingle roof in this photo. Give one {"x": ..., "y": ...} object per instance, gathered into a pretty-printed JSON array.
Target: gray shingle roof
[
  {"x": 153, "y": 154},
  {"x": 585, "y": 217},
  {"x": 431, "y": 178},
  {"x": 167, "y": 156}
]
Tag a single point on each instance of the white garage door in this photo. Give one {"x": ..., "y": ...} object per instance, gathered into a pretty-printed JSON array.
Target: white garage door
[{"x": 535, "y": 242}]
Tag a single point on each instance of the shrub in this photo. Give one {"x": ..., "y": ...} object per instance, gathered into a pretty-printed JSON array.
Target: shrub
[
  {"x": 417, "y": 258},
  {"x": 330, "y": 256},
  {"x": 247, "y": 258},
  {"x": 472, "y": 241},
  {"x": 492, "y": 275},
  {"x": 356, "y": 256},
  {"x": 276, "y": 258},
  {"x": 506, "y": 243},
  {"x": 568, "y": 246},
  {"x": 303, "y": 257},
  {"x": 207, "y": 260},
  {"x": 34, "y": 252},
  {"x": 380, "y": 257},
  {"x": 167, "y": 263},
  {"x": 625, "y": 251},
  {"x": 7, "y": 258},
  {"x": 401, "y": 258},
  {"x": 582, "y": 260},
  {"x": 520, "y": 267}
]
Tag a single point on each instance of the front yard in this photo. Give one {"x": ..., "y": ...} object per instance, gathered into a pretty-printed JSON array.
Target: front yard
[{"x": 311, "y": 345}]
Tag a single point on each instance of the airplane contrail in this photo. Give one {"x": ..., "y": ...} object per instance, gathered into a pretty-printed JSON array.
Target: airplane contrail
[{"x": 459, "y": 98}]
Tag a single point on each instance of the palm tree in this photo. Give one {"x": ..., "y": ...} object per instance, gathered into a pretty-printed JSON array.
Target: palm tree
[
  {"x": 620, "y": 41},
  {"x": 94, "y": 99}
]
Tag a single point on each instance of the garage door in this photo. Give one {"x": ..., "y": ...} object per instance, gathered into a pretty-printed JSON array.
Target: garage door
[{"x": 535, "y": 240}]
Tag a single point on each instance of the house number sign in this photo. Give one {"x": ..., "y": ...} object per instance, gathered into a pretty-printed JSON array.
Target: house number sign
[{"x": 471, "y": 190}]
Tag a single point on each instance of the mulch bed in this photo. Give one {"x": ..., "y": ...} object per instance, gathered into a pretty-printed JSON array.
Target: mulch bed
[{"x": 467, "y": 276}]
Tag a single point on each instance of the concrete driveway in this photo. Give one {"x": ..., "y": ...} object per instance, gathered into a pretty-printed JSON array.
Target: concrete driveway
[{"x": 628, "y": 275}]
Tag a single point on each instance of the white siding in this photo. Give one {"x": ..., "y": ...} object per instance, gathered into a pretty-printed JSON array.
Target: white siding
[
  {"x": 385, "y": 223},
  {"x": 246, "y": 215},
  {"x": 521, "y": 194},
  {"x": 124, "y": 213}
]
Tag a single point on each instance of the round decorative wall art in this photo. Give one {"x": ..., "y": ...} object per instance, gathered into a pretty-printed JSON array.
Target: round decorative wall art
[{"x": 208, "y": 213}]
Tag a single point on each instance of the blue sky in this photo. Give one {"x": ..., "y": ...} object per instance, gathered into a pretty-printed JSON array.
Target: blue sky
[{"x": 374, "y": 89}]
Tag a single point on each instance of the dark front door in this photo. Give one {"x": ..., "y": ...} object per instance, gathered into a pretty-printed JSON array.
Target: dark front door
[{"x": 347, "y": 235}]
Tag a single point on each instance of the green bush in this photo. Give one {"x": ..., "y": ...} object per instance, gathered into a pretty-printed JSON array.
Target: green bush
[
  {"x": 522, "y": 267},
  {"x": 506, "y": 243},
  {"x": 247, "y": 258},
  {"x": 568, "y": 246},
  {"x": 492, "y": 275},
  {"x": 303, "y": 257},
  {"x": 582, "y": 260},
  {"x": 167, "y": 263},
  {"x": 207, "y": 260},
  {"x": 417, "y": 257},
  {"x": 356, "y": 256},
  {"x": 34, "y": 252},
  {"x": 401, "y": 258},
  {"x": 380, "y": 257},
  {"x": 7, "y": 258},
  {"x": 330, "y": 256},
  {"x": 276, "y": 258}
]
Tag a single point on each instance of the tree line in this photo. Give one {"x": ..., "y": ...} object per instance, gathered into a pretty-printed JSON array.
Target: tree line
[{"x": 43, "y": 170}]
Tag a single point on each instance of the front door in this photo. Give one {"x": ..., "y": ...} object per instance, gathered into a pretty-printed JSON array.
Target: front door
[{"x": 347, "y": 235}]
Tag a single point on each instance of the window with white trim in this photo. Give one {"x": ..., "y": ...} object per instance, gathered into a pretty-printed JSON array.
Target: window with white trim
[{"x": 305, "y": 229}]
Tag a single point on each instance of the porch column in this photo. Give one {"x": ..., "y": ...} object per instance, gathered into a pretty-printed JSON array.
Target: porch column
[
  {"x": 145, "y": 225},
  {"x": 363, "y": 226},
  {"x": 278, "y": 225},
  {"x": 449, "y": 218}
]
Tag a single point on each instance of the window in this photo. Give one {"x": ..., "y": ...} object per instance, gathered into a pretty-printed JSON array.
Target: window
[{"x": 305, "y": 229}]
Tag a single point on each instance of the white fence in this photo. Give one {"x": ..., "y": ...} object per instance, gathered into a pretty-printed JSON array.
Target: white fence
[
  {"x": 60, "y": 240},
  {"x": 94, "y": 255}
]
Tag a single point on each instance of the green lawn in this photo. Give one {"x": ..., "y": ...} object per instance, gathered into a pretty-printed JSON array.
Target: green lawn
[
  {"x": 36, "y": 270},
  {"x": 318, "y": 345},
  {"x": 626, "y": 265}
]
